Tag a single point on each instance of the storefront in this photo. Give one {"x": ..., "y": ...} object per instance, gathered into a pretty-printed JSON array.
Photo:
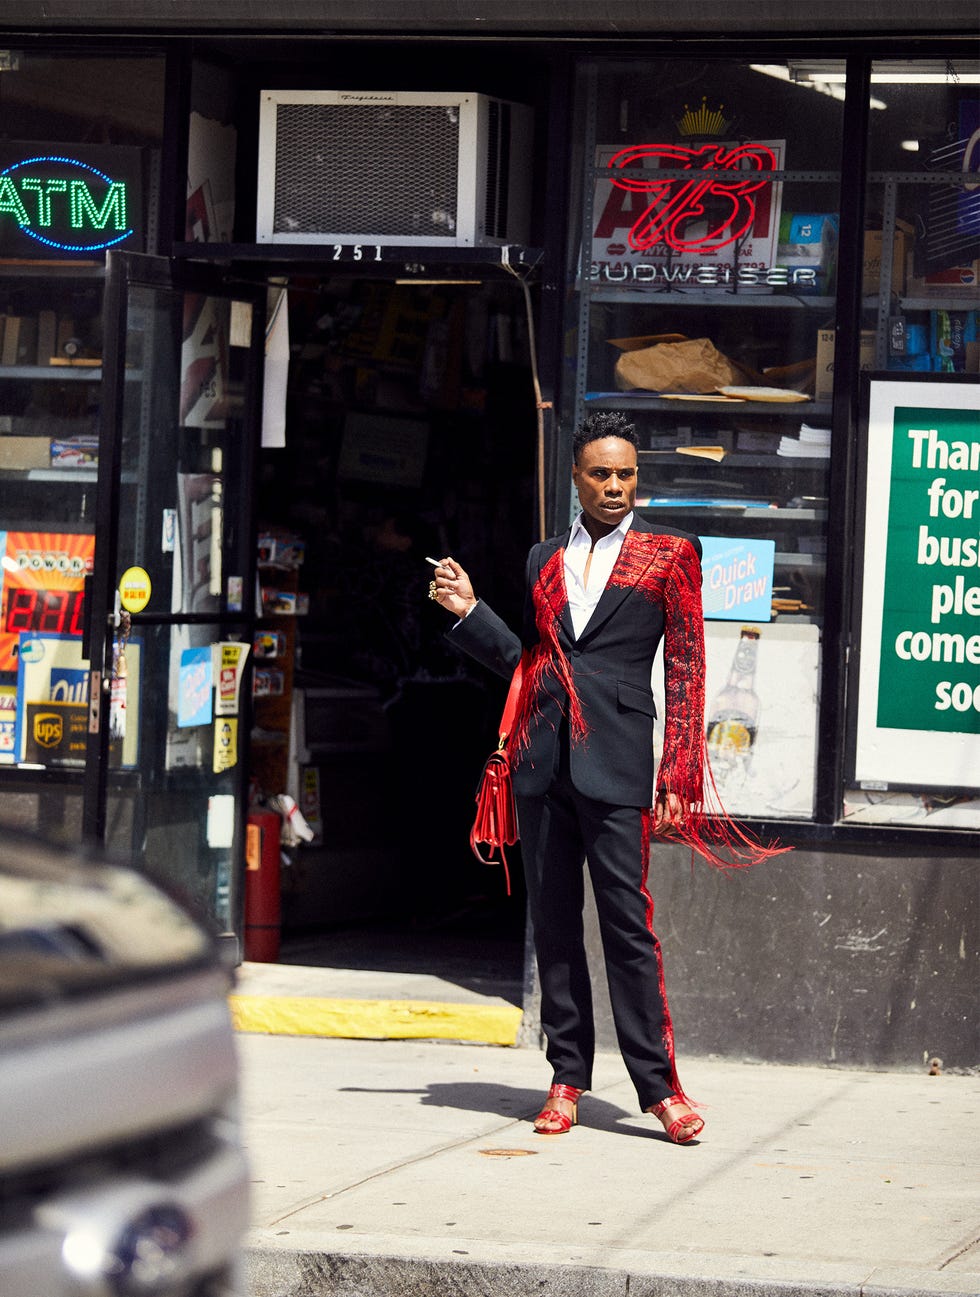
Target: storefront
[{"x": 284, "y": 313}]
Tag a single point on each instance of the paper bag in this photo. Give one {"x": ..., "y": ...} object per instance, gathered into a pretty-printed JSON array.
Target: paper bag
[{"x": 692, "y": 365}]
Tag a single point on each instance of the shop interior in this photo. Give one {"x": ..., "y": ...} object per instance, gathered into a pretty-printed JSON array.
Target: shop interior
[{"x": 410, "y": 432}]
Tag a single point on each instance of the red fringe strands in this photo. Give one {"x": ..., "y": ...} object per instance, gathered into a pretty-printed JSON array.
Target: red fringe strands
[
  {"x": 547, "y": 657},
  {"x": 666, "y": 568}
]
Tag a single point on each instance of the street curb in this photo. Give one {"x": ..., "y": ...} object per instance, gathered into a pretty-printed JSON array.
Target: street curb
[
  {"x": 281, "y": 1015},
  {"x": 272, "y": 1272}
]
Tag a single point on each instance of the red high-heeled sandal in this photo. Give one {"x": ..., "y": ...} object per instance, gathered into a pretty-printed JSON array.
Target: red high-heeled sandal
[
  {"x": 685, "y": 1128},
  {"x": 550, "y": 1121}
]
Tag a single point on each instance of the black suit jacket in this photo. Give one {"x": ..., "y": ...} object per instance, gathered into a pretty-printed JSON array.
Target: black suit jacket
[{"x": 611, "y": 665}]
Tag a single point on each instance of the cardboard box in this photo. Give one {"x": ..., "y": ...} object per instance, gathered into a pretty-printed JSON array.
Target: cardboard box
[
  {"x": 871, "y": 269},
  {"x": 826, "y": 342},
  {"x": 47, "y": 336},
  {"x": 75, "y": 452},
  {"x": 11, "y": 340},
  {"x": 25, "y": 452},
  {"x": 808, "y": 241},
  {"x": 957, "y": 280}
]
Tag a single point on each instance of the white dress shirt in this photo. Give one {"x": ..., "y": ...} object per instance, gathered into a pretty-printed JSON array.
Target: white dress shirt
[{"x": 582, "y": 599}]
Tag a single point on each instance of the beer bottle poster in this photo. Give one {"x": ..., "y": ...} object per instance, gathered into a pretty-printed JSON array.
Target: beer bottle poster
[
  {"x": 761, "y": 695},
  {"x": 918, "y": 715}
]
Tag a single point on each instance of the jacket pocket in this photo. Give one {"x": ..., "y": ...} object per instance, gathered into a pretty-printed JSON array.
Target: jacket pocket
[{"x": 635, "y": 698}]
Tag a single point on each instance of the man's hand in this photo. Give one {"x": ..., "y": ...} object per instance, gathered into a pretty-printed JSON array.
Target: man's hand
[
  {"x": 453, "y": 589},
  {"x": 669, "y": 812}
]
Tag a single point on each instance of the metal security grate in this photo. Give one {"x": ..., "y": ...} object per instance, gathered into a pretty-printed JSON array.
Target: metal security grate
[{"x": 384, "y": 169}]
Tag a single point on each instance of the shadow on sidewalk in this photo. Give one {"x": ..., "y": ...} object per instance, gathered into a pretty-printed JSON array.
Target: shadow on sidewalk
[{"x": 517, "y": 1104}]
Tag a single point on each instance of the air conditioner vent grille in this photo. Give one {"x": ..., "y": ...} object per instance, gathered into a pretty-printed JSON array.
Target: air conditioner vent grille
[
  {"x": 498, "y": 169},
  {"x": 326, "y": 176}
]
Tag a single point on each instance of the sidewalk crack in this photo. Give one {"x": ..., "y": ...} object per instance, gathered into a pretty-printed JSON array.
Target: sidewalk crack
[
  {"x": 394, "y": 1166},
  {"x": 959, "y": 1252}
]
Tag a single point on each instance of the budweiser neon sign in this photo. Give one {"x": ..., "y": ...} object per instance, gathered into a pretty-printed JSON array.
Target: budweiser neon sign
[{"x": 719, "y": 199}]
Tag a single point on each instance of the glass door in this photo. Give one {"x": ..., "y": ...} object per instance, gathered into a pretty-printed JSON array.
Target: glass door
[{"x": 172, "y": 595}]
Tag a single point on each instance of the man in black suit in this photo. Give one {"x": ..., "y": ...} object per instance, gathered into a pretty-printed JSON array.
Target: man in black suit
[{"x": 599, "y": 600}]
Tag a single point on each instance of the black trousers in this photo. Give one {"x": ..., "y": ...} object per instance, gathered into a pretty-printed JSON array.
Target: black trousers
[{"x": 559, "y": 833}]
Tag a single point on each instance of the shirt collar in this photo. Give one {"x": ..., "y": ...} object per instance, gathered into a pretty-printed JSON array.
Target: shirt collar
[{"x": 579, "y": 536}]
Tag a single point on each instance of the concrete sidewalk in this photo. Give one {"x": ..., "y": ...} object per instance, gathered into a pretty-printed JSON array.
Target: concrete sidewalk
[{"x": 409, "y": 1167}]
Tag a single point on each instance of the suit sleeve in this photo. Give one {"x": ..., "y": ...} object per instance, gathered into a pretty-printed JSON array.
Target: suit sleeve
[
  {"x": 682, "y": 762},
  {"x": 488, "y": 639}
]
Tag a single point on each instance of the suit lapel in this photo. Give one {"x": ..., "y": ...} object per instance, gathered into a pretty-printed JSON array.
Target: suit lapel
[{"x": 556, "y": 592}]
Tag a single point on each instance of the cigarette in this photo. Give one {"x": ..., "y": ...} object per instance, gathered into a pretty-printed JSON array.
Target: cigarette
[{"x": 436, "y": 562}]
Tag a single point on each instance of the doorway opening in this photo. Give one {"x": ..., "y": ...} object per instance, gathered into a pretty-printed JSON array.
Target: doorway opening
[{"x": 410, "y": 432}]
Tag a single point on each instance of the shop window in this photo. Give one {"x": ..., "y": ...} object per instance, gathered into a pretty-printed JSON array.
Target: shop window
[
  {"x": 79, "y": 159},
  {"x": 703, "y": 307},
  {"x": 915, "y": 695},
  {"x": 921, "y": 211}
]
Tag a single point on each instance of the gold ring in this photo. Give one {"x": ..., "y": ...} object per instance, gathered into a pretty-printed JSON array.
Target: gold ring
[{"x": 433, "y": 592}]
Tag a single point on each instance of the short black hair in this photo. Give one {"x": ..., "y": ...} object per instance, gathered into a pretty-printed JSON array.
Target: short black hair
[{"x": 604, "y": 423}]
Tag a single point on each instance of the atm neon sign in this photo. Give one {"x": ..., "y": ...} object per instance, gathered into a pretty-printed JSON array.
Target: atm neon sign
[{"x": 65, "y": 204}]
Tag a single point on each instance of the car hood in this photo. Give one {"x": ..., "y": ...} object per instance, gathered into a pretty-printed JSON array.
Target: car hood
[{"x": 70, "y": 923}]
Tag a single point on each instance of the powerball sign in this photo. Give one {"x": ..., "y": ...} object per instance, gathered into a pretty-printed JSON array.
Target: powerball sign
[{"x": 43, "y": 587}]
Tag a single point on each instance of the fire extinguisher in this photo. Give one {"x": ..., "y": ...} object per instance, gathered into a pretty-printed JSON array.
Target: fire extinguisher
[{"x": 263, "y": 903}]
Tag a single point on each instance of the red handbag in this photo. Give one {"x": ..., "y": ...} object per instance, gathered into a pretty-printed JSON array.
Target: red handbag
[{"x": 496, "y": 816}]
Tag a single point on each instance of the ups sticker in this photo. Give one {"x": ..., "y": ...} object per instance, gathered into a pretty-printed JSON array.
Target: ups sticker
[
  {"x": 48, "y": 729},
  {"x": 55, "y": 733}
]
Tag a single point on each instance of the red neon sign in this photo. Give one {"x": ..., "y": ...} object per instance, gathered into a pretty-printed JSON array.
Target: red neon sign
[{"x": 676, "y": 201}]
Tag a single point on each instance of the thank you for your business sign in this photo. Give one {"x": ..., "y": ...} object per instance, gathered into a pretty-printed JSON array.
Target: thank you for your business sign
[
  {"x": 62, "y": 200},
  {"x": 930, "y": 646},
  {"x": 915, "y": 698}
]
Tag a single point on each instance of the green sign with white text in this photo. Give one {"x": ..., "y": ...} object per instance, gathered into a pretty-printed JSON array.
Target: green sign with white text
[{"x": 930, "y": 637}]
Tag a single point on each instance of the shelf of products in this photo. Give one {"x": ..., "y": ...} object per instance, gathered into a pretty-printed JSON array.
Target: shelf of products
[
  {"x": 724, "y": 468},
  {"x": 50, "y": 390},
  {"x": 50, "y": 371}
]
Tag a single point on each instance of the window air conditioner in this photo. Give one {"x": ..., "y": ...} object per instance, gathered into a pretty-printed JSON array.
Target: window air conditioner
[{"x": 390, "y": 167}]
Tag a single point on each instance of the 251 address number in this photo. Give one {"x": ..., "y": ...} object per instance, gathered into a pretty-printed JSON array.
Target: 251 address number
[{"x": 357, "y": 251}]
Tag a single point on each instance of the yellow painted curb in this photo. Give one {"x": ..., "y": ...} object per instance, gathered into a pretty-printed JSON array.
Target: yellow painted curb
[{"x": 300, "y": 1015}]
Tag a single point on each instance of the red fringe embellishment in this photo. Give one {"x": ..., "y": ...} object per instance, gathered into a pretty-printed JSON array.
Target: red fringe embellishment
[
  {"x": 548, "y": 658},
  {"x": 668, "y": 1023},
  {"x": 671, "y": 574}
]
